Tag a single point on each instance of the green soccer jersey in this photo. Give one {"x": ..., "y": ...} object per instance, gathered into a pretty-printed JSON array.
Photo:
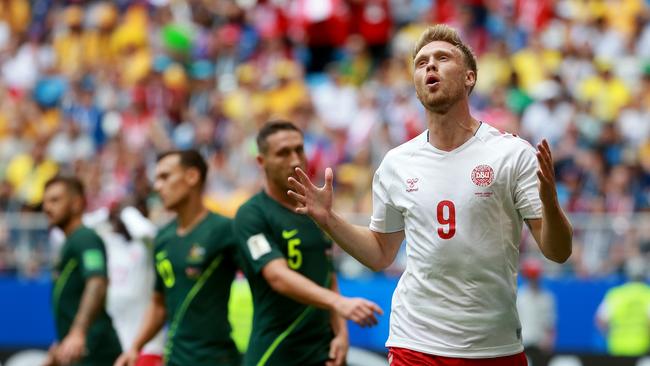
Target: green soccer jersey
[
  {"x": 83, "y": 256},
  {"x": 194, "y": 272},
  {"x": 285, "y": 332}
]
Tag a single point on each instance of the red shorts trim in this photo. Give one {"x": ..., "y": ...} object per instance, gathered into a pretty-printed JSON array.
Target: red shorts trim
[
  {"x": 149, "y": 360},
  {"x": 406, "y": 357}
]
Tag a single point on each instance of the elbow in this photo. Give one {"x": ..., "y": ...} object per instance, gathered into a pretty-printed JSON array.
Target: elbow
[
  {"x": 560, "y": 257},
  {"x": 379, "y": 265},
  {"x": 276, "y": 282}
]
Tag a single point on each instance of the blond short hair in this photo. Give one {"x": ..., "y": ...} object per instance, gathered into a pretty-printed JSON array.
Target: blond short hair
[{"x": 445, "y": 33}]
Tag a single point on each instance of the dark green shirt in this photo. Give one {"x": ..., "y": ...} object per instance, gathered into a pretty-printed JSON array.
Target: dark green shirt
[
  {"x": 83, "y": 256},
  {"x": 285, "y": 332},
  {"x": 194, "y": 272}
]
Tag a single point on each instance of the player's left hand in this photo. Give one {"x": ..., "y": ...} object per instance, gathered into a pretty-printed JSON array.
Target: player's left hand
[
  {"x": 338, "y": 351},
  {"x": 546, "y": 174},
  {"x": 72, "y": 349}
]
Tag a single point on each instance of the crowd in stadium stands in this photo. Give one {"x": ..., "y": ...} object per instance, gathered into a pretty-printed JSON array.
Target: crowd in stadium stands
[{"x": 99, "y": 88}]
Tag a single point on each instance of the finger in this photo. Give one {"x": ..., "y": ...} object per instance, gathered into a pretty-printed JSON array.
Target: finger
[
  {"x": 544, "y": 164},
  {"x": 368, "y": 317},
  {"x": 329, "y": 177},
  {"x": 340, "y": 358},
  {"x": 545, "y": 149},
  {"x": 542, "y": 178},
  {"x": 298, "y": 197},
  {"x": 304, "y": 179},
  {"x": 376, "y": 308},
  {"x": 303, "y": 210},
  {"x": 548, "y": 148},
  {"x": 297, "y": 185}
]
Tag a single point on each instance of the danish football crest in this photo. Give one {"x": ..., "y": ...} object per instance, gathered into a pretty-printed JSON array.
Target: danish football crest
[{"x": 483, "y": 175}]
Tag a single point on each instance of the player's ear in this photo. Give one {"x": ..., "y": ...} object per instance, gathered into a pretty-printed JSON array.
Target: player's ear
[
  {"x": 470, "y": 79},
  {"x": 78, "y": 203},
  {"x": 192, "y": 176},
  {"x": 260, "y": 160}
]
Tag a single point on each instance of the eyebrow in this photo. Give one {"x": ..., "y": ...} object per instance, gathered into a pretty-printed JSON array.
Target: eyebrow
[{"x": 435, "y": 52}]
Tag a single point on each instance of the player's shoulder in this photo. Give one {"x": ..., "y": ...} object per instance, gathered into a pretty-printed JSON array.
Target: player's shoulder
[
  {"x": 85, "y": 234},
  {"x": 166, "y": 231},
  {"x": 219, "y": 224},
  {"x": 252, "y": 206},
  {"x": 218, "y": 219},
  {"x": 503, "y": 140},
  {"x": 401, "y": 153}
]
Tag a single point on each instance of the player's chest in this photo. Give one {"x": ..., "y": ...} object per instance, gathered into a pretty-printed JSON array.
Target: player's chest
[
  {"x": 300, "y": 240},
  {"x": 185, "y": 259},
  {"x": 477, "y": 182}
]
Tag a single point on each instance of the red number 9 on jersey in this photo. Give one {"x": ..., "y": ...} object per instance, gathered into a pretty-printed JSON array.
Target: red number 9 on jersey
[{"x": 448, "y": 220}]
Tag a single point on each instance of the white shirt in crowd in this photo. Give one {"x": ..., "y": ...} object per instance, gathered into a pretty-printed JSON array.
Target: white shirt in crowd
[{"x": 462, "y": 212}]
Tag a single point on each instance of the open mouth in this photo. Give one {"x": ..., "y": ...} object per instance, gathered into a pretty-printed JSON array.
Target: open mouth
[{"x": 432, "y": 80}]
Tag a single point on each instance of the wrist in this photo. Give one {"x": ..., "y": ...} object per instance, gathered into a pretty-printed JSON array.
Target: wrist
[
  {"x": 77, "y": 331},
  {"x": 334, "y": 302}
]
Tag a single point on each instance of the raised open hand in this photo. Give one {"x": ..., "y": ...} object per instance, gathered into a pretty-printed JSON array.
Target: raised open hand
[
  {"x": 313, "y": 201},
  {"x": 546, "y": 173}
]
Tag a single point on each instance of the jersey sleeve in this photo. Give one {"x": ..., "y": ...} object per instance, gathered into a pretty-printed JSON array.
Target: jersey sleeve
[
  {"x": 386, "y": 218},
  {"x": 526, "y": 192},
  {"x": 92, "y": 255},
  {"x": 256, "y": 246}
]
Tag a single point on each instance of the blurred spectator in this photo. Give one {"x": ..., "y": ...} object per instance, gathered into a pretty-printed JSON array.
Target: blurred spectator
[
  {"x": 624, "y": 314},
  {"x": 537, "y": 313},
  {"x": 28, "y": 173}
]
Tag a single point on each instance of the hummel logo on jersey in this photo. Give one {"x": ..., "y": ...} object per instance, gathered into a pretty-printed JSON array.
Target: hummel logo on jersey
[
  {"x": 411, "y": 184},
  {"x": 288, "y": 234}
]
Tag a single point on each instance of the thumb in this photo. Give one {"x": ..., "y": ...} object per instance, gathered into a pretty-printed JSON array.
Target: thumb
[
  {"x": 329, "y": 177},
  {"x": 333, "y": 350}
]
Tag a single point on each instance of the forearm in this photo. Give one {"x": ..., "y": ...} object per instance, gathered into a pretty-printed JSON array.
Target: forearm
[
  {"x": 299, "y": 288},
  {"x": 154, "y": 320},
  {"x": 360, "y": 242},
  {"x": 557, "y": 233},
  {"x": 92, "y": 301}
]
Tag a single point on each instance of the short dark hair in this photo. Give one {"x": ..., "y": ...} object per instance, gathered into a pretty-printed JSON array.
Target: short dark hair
[
  {"x": 72, "y": 184},
  {"x": 189, "y": 158},
  {"x": 271, "y": 128}
]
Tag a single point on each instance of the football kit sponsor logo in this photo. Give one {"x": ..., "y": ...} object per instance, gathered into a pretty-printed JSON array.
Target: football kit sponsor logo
[
  {"x": 288, "y": 234},
  {"x": 411, "y": 184}
]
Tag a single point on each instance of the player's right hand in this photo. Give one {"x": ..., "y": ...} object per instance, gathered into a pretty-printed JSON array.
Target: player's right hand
[
  {"x": 360, "y": 311},
  {"x": 128, "y": 358},
  {"x": 313, "y": 201}
]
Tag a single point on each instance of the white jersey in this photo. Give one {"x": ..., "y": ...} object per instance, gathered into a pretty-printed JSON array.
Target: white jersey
[
  {"x": 132, "y": 276},
  {"x": 462, "y": 213}
]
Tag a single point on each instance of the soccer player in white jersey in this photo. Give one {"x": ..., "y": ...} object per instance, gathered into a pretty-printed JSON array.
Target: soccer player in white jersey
[
  {"x": 459, "y": 193},
  {"x": 132, "y": 276}
]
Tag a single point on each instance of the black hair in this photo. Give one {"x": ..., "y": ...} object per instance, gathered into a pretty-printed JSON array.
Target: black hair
[
  {"x": 189, "y": 159},
  {"x": 271, "y": 128}
]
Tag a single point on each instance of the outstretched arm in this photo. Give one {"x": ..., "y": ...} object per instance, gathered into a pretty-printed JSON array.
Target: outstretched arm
[
  {"x": 299, "y": 288},
  {"x": 375, "y": 250},
  {"x": 553, "y": 232}
]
